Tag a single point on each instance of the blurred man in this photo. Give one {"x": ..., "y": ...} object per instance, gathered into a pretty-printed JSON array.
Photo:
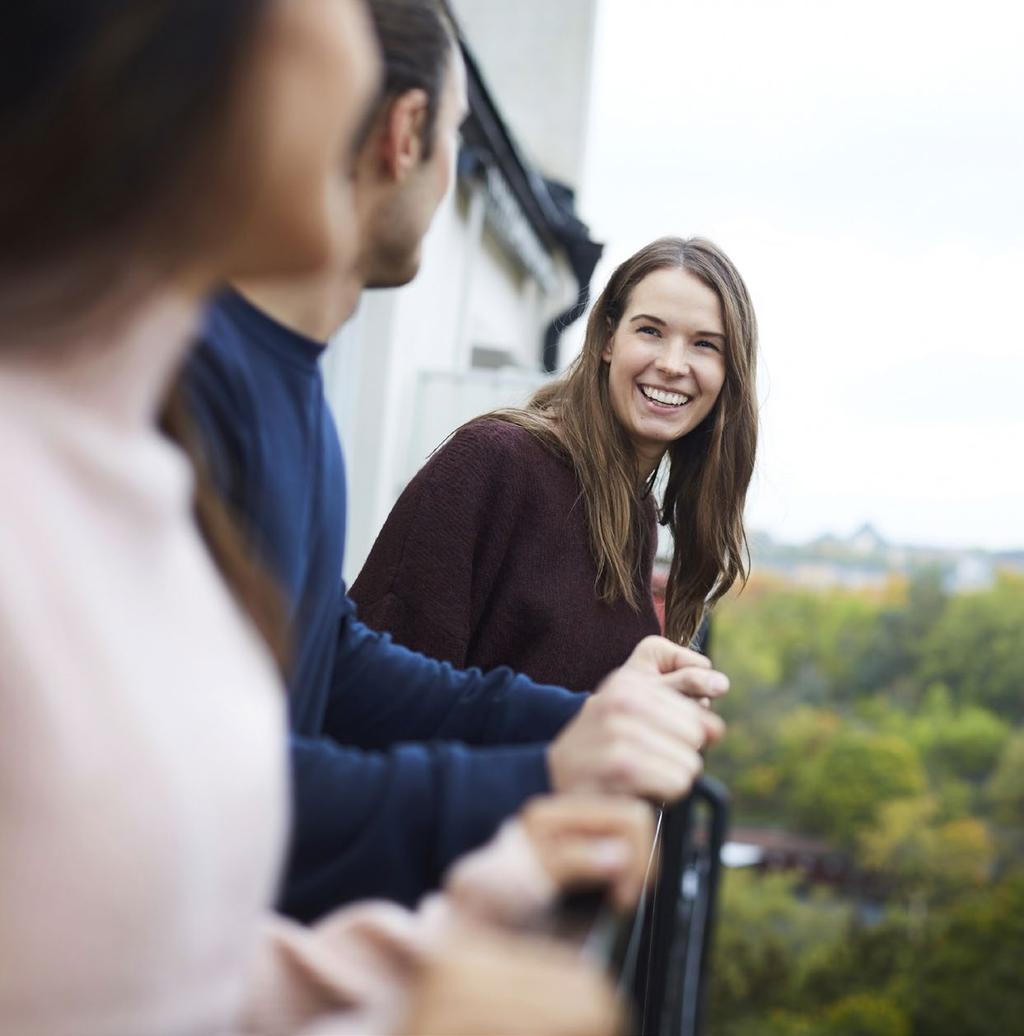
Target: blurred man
[{"x": 401, "y": 763}]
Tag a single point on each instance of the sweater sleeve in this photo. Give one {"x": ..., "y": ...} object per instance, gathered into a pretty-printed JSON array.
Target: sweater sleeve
[
  {"x": 431, "y": 570},
  {"x": 361, "y": 794},
  {"x": 417, "y": 807},
  {"x": 382, "y": 693},
  {"x": 349, "y": 973}
]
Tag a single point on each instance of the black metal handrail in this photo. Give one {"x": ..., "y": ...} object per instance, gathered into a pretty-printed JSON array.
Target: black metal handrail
[
  {"x": 659, "y": 955},
  {"x": 678, "y": 919}
]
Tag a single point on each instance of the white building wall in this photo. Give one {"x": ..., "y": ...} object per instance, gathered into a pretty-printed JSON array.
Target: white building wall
[
  {"x": 371, "y": 368},
  {"x": 398, "y": 376},
  {"x": 536, "y": 57},
  {"x": 505, "y": 311}
]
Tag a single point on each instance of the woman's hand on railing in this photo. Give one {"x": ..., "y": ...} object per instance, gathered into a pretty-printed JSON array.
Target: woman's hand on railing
[
  {"x": 585, "y": 841},
  {"x": 491, "y": 982},
  {"x": 557, "y": 843}
]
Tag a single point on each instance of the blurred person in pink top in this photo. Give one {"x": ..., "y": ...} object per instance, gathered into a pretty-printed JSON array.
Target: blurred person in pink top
[{"x": 152, "y": 150}]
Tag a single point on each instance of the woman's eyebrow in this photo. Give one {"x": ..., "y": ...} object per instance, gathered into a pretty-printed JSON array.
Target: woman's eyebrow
[{"x": 652, "y": 319}]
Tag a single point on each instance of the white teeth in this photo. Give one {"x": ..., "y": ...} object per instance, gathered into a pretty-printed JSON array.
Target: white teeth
[{"x": 661, "y": 396}]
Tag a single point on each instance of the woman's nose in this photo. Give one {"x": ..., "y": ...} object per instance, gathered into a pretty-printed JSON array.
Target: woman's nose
[{"x": 674, "y": 360}]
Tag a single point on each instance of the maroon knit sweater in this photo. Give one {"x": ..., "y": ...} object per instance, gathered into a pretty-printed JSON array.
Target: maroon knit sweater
[{"x": 485, "y": 561}]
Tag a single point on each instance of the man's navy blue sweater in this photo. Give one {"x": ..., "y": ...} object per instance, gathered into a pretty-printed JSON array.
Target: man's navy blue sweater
[{"x": 386, "y": 790}]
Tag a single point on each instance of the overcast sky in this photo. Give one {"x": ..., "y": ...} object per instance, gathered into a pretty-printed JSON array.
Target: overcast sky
[{"x": 863, "y": 165}]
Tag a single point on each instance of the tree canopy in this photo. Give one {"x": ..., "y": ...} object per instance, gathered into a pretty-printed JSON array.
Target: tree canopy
[{"x": 890, "y": 723}]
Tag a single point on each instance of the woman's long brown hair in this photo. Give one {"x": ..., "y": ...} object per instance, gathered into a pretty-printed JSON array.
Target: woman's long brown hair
[
  {"x": 251, "y": 585},
  {"x": 709, "y": 469},
  {"x": 114, "y": 117}
]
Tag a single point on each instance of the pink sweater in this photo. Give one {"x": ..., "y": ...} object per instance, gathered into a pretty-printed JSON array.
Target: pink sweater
[
  {"x": 142, "y": 777},
  {"x": 142, "y": 763}
]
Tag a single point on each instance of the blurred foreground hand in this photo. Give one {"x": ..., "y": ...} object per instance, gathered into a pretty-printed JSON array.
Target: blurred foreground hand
[
  {"x": 587, "y": 840},
  {"x": 556, "y": 844},
  {"x": 495, "y": 984}
]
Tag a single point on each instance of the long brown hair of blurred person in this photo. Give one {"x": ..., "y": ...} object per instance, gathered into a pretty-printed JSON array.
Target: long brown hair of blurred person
[
  {"x": 112, "y": 113},
  {"x": 249, "y": 581},
  {"x": 709, "y": 469}
]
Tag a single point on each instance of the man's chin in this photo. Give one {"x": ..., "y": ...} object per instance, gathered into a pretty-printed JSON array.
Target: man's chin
[
  {"x": 392, "y": 279},
  {"x": 392, "y": 274}
]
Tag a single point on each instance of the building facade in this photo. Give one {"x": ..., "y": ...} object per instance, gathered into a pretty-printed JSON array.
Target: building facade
[{"x": 506, "y": 265}]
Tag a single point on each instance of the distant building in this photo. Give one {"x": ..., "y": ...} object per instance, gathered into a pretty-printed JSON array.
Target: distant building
[
  {"x": 771, "y": 850},
  {"x": 865, "y": 560},
  {"x": 506, "y": 265},
  {"x": 866, "y": 540},
  {"x": 1011, "y": 561}
]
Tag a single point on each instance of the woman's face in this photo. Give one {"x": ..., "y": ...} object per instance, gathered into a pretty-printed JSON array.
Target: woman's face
[
  {"x": 284, "y": 199},
  {"x": 666, "y": 361}
]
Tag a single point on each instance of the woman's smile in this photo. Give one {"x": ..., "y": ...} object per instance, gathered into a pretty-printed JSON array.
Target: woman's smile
[{"x": 663, "y": 399}]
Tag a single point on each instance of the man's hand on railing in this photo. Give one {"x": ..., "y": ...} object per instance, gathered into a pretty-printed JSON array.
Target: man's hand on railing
[
  {"x": 682, "y": 669},
  {"x": 641, "y": 732}
]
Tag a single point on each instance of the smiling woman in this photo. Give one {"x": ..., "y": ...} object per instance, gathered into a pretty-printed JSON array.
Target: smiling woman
[
  {"x": 665, "y": 372},
  {"x": 528, "y": 539}
]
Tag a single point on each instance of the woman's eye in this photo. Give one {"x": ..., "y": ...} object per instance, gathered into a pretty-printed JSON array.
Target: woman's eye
[
  {"x": 648, "y": 330},
  {"x": 705, "y": 344}
]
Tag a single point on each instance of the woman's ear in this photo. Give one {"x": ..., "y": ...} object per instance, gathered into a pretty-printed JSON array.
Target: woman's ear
[{"x": 609, "y": 335}]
